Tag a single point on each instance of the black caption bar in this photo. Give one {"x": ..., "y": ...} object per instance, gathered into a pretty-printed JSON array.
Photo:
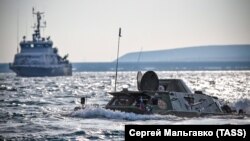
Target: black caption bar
[{"x": 194, "y": 132}]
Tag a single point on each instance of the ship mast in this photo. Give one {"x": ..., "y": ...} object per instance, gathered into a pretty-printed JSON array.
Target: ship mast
[
  {"x": 37, "y": 35},
  {"x": 17, "y": 36}
]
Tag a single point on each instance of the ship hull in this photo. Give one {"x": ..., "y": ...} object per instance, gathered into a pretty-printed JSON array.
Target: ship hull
[{"x": 32, "y": 71}]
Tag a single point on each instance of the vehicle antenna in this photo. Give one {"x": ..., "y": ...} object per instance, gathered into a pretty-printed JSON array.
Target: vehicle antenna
[
  {"x": 139, "y": 57},
  {"x": 119, "y": 36}
]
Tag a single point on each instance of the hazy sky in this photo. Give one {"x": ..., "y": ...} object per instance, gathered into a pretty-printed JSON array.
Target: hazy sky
[{"x": 88, "y": 29}]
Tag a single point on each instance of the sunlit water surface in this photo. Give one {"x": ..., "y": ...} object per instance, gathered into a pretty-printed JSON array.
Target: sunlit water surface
[{"x": 43, "y": 107}]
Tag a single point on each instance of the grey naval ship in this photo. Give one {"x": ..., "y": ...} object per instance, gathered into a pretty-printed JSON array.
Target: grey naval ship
[{"x": 38, "y": 57}]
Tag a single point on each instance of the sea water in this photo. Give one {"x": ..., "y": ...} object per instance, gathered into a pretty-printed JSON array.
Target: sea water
[{"x": 42, "y": 108}]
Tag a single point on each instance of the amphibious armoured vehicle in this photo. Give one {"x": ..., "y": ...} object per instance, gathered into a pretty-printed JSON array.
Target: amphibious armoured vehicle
[{"x": 165, "y": 96}]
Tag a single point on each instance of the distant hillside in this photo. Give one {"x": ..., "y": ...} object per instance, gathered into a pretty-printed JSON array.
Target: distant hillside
[{"x": 214, "y": 53}]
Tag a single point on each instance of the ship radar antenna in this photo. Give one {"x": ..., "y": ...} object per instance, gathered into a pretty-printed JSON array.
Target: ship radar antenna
[
  {"x": 37, "y": 26},
  {"x": 119, "y": 36},
  {"x": 17, "y": 36}
]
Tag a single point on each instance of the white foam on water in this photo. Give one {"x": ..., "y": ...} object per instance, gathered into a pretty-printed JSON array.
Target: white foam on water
[{"x": 96, "y": 112}]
